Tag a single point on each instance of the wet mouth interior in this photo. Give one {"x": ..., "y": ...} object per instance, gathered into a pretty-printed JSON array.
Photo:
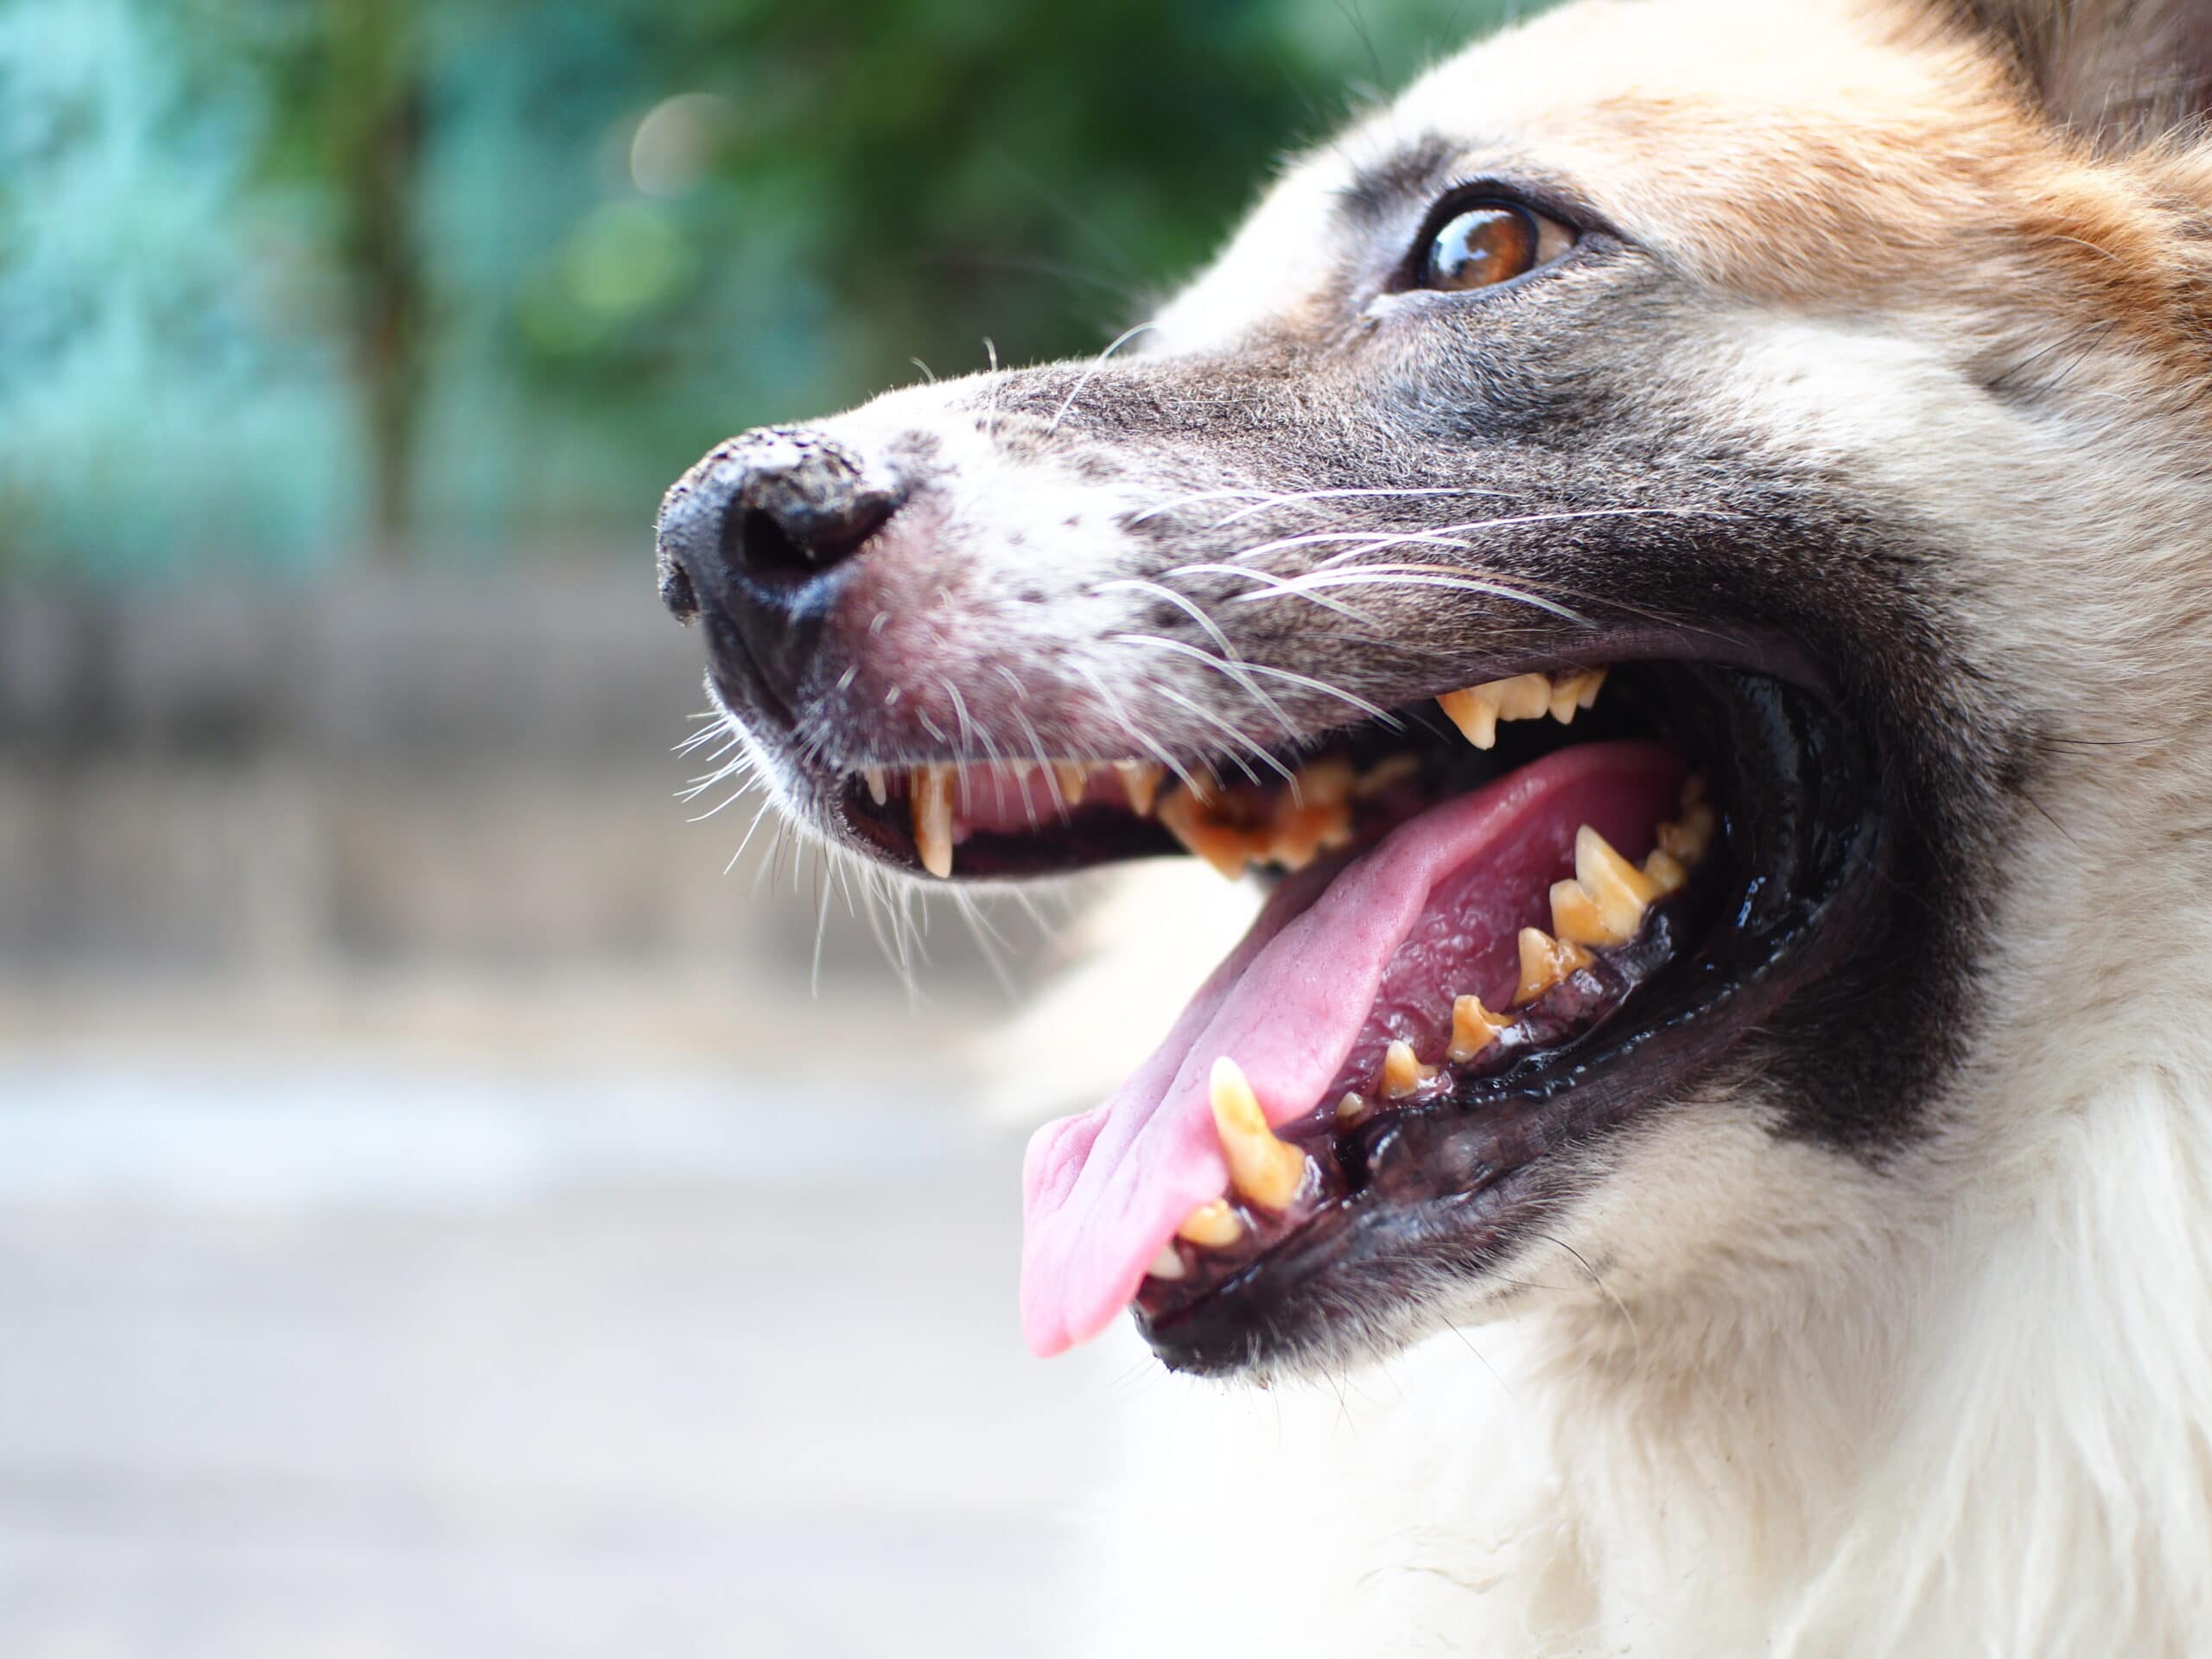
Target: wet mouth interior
[{"x": 1578, "y": 859}]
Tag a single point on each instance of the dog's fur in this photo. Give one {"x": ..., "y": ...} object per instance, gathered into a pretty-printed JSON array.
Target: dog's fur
[{"x": 1894, "y": 1338}]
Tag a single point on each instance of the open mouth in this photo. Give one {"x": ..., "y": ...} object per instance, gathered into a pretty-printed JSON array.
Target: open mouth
[{"x": 1501, "y": 921}]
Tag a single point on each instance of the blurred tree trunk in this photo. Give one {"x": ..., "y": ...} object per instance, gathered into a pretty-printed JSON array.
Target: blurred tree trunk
[{"x": 375, "y": 114}]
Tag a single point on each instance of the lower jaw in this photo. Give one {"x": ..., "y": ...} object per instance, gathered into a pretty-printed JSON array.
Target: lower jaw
[{"x": 1425, "y": 1203}]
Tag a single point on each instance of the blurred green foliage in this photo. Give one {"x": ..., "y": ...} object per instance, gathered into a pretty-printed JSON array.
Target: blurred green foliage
[{"x": 288, "y": 283}]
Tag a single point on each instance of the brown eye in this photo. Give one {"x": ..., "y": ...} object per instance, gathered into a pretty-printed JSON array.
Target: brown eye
[{"x": 1492, "y": 243}]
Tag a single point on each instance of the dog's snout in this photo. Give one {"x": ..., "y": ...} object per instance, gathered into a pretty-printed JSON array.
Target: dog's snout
[{"x": 764, "y": 516}]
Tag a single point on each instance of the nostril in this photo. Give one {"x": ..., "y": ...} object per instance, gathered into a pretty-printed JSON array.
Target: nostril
[{"x": 795, "y": 546}]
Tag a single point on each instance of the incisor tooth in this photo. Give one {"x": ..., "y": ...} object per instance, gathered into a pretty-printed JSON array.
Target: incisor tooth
[
  {"x": 1168, "y": 1264},
  {"x": 1212, "y": 1226},
  {"x": 1474, "y": 711},
  {"x": 1622, "y": 891},
  {"x": 1073, "y": 777},
  {"x": 879, "y": 783},
  {"x": 1545, "y": 960},
  {"x": 1402, "y": 1072},
  {"x": 1474, "y": 1029},
  {"x": 1262, "y": 1168},
  {"x": 931, "y": 787},
  {"x": 1141, "y": 783}
]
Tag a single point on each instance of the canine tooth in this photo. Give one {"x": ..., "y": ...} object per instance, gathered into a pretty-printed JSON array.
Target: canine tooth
[
  {"x": 1545, "y": 960},
  {"x": 1578, "y": 918},
  {"x": 1666, "y": 871},
  {"x": 879, "y": 783},
  {"x": 1402, "y": 1072},
  {"x": 931, "y": 787},
  {"x": 1212, "y": 1226},
  {"x": 1474, "y": 711},
  {"x": 1351, "y": 1107},
  {"x": 1141, "y": 782},
  {"x": 1688, "y": 836},
  {"x": 1262, "y": 1168},
  {"x": 1168, "y": 1264},
  {"x": 1622, "y": 891},
  {"x": 1474, "y": 1029},
  {"x": 1073, "y": 777},
  {"x": 1228, "y": 848}
]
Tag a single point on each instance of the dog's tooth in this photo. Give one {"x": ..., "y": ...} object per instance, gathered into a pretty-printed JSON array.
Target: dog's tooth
[
  {"x": 932, "y": 788},
  {"x": 1228, "y": 848},
  {"x": 1141, "y": 783},
  {"x": 1623, "y": 892},
  {"x": 879, "y": 783},
  {"x": 1351, "y": 1106},
  {"x": 1525, "y": 696},
  {"x": 1212, "y": 1226},
  {"x": 1567, "y": 697},
  {"x": 1474, "y": 1029},
  {"x": 1688, "y": 837},
  {"x": 1168, "y": 1265},
  {"x": 1578, "y": 918},
  {"x": 1474, "y": 711},
  {"x": 1545, "y": 960},
  {"x": 1325, "y": 782},
  {"x": 1073, "y": 777},
  {"x": 1593, "y": 682},
  {"x": 1402, "y": 1072},
  {"x": 1391, "y": 769},
  {"x": 1666, "y": 871},
  {"x": 1262, "y": 1168}
]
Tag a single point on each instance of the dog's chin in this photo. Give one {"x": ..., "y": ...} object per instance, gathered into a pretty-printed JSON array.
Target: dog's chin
[{"x": 1616, "y": 887}]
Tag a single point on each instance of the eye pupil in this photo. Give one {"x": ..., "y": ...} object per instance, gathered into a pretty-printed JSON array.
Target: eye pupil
[{"x": 1480, "y": 248}]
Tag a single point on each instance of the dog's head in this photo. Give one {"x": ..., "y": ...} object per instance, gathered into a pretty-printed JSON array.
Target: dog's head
[{"x": 1640, "y": 539}]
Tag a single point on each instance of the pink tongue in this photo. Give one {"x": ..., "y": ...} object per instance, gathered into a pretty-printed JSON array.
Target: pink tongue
[{"x": 1104, "y": 1191}]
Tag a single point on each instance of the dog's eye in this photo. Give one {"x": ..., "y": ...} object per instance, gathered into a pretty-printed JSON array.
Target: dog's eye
[{"x": 1490, "y": 243}]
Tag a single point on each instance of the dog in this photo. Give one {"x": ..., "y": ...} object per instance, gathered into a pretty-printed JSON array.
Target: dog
[{"x": 1678, "y": 554}]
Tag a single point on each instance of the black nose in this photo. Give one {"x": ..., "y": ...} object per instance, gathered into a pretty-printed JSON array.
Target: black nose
[
  {"x": 759, "y": 531},
  {"x": 764, "y": 517}
]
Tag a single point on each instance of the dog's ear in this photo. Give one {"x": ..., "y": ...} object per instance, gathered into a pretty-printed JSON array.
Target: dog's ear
[{"x": 2119, "y": 71}]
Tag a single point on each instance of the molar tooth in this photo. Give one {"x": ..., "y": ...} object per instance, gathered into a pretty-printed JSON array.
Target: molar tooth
[
  {"x": 1402, "y": 1072},
  {"x": 1688, "y": 836},
  {"x": 1168, "y": 1264},
  {"x": 932, "y": 788},
  {"x": 1525, "y": 696},
  {"x": 879, "y": 783},
  {"x": 1228, "y": 848},
  {"x": 1212, "y": 1226},
  {"x": 1666, "y": 871},
  {"x": 1474, "y": 711},
  {"x": 1391, "y": 769},
  {"x": 1623, "y": 892},
  {"x": 1545, "y": 960},
  {"x": 1263, "y": 1169},
  {"x": 1567, "y": 697},
  {"x": 1593, "y": 682},
  {"x": 1578, "y": 918},
  {"x": 1474, "y": 1029},
  {"x": 1141, "y": 782}
]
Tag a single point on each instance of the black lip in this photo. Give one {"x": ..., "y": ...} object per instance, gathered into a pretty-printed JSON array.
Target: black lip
[{"x": 1449, "y": 1189}]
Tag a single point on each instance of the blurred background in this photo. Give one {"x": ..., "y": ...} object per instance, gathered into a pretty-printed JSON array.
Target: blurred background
[{"x": 444, "y": 1209}]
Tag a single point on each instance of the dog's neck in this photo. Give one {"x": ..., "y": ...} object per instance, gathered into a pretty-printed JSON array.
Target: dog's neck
[{"x": 1929, "y": 1447}]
